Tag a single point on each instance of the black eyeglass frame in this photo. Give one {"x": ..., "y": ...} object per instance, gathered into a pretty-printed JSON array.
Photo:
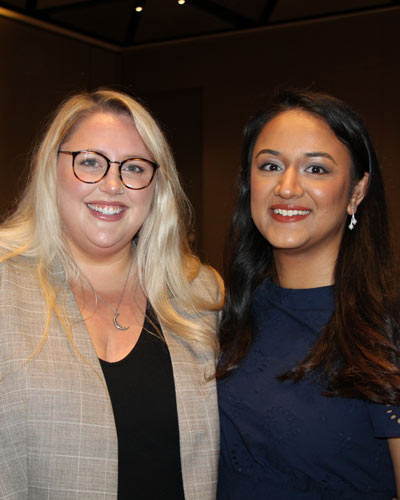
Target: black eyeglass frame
[{"x": 74, "y": 154}]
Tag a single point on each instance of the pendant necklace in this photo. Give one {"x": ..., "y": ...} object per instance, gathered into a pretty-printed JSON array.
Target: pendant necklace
[{"x": 116, "y": 311}]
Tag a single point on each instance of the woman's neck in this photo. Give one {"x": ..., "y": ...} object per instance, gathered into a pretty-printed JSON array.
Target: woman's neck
[
  {"x": 304, "y": 270},
  {"x": 104, "y": 273}
]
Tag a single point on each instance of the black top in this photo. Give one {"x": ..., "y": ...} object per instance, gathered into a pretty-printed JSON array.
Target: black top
[
  {"x": 142, "y": 393},
  {"x": 282, "y": 440}
]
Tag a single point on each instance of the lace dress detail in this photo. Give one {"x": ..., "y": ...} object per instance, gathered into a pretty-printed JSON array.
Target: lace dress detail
[{"x": 286, "y": 440}]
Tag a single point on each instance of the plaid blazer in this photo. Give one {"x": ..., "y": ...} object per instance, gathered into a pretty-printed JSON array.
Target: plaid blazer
[{"x": 57, "y": 433}]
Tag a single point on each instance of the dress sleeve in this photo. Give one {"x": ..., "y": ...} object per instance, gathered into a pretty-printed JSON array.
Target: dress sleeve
[{"x": 385, "y": 420}]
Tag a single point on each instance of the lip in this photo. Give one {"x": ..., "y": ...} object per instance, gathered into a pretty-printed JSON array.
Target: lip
[
  {"x": 290, "y": 216},
  {"x": 107, "y": 210}
]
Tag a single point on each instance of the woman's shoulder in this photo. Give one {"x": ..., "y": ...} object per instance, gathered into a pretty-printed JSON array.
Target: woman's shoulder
[
  {"x": 11, "y": 264},
  {"x": 205, "y": 279},
  {"x": 19, "y": 284},
  {"x": 21, "y": 303}
]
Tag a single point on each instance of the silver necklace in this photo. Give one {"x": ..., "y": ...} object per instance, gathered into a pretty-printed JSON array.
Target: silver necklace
[{"x": 116, "y": 311}]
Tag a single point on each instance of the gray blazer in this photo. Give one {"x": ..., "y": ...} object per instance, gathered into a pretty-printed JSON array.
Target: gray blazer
[{"x": 57, "y": 433}]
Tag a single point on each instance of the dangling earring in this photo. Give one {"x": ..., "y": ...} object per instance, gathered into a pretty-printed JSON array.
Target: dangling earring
[{"x": 353, "y": 220}]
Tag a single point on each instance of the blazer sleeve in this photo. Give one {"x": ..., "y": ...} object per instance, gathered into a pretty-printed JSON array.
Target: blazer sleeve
[
  {"x": 57, "y": 430},
  {"x": 13, "y": 434},
  {"x": 193, "y": 368}
]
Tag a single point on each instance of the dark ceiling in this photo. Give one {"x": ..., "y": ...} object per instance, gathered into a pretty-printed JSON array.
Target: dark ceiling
[{"x": 117, "y": 24}]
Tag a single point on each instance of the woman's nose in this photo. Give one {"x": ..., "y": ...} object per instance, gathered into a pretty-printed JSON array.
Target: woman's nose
[
  {"x": 289, "y": 184},
  {"x": 111, "y": 183}
]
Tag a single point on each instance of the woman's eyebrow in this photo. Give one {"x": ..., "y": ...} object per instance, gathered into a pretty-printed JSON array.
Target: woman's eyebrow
[
  {"x": 321, "y": 154},
  {"x": 314, "y": 154},
  {"x": 268, "y": 151}
]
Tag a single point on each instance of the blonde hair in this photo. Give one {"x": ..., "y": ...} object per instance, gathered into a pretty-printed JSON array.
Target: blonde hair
[{"x": 164, "y": 261}]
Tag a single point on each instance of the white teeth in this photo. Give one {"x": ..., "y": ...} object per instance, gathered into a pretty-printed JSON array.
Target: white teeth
[
  {"x": 105, "y": 210},
  {"x": 290, "y": 213}
]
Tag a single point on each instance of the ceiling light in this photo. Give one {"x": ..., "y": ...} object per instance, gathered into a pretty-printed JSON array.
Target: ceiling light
[
  {"x": 181, "y": 2},
  {"x": 139, "y": 4}
]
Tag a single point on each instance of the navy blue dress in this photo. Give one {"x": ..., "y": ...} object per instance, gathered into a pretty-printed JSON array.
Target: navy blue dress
[{"x": 281, "y": 440}]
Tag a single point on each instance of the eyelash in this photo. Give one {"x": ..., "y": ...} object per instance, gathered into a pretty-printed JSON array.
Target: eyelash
[
  {"x": 266, "y": 167},
  {"x": 322, "y": 170}
]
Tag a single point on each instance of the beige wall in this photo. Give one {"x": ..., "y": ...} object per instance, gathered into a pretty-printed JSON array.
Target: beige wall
[{"x": 203, "y": 91}]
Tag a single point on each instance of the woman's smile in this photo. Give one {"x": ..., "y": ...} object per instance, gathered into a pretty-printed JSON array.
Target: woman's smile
[
  {"x": 109, "y": 211},
  {"x": 289, "y": 213}
]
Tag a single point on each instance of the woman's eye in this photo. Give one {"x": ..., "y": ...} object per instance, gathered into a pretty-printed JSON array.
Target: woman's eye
[
  {"x": 132, "y": 168},
  {"x": 89, "y": 163},
  {"x": 270, "y": 167},
  {"x": 316, "y": 169}
]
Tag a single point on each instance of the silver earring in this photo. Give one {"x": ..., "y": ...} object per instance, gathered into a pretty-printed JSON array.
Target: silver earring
[{"x": 353, "y": 220}]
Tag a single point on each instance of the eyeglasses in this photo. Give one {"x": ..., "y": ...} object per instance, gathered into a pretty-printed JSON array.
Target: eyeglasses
[{"x": 92, "y": 167}]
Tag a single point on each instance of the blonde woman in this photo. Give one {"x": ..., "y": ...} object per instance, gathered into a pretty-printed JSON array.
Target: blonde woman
[{"x": 107, "y": 321}]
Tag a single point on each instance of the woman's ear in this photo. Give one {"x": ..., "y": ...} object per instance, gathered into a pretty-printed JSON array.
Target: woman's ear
[{"x": 357, "y": 196}]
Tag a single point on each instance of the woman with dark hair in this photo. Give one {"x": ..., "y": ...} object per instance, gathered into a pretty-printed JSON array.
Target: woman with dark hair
[{"x": 309, "y": 378}]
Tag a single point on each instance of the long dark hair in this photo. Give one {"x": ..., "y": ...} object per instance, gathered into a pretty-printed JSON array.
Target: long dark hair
[{"x": 358, "y": 352}]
